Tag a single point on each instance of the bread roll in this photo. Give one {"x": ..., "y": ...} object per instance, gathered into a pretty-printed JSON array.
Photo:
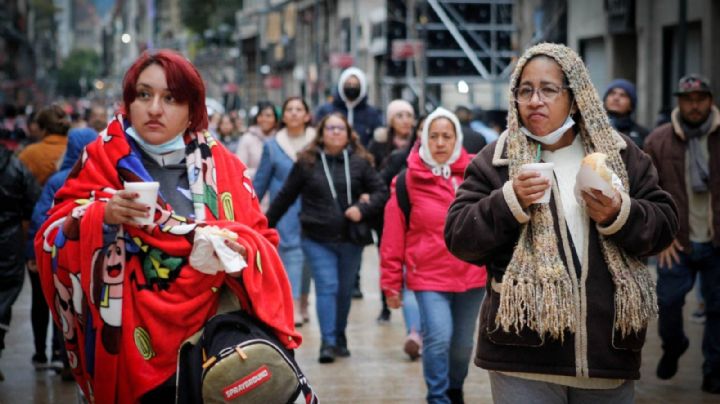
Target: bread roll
[{"x": 596, "y": 161}]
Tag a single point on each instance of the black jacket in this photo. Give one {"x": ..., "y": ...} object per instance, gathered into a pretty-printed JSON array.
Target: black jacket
[
  {"x": 321, "y": 217},
  {"x": 18, "y": 193}
]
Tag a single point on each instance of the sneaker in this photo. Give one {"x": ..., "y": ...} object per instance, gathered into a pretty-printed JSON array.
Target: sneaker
[
  {"x": 413, "y": 346},
  {"x": 56, "y": 364},
  {"x": 327, "y": 353},
  {"x": 341, "y": 349},
  {"x": 39, "y": 362},
  {"x": 357, "y": 293},
  {"x": 668, "y": 365},
  {"x": 384, "y": 317}
]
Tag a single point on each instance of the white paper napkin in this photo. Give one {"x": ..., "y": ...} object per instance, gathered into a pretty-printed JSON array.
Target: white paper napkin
[{"x": 210, "y": 254}]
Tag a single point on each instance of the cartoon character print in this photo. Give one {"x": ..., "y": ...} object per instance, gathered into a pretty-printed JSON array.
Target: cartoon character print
[
  {"x": 159, "y": 269},
  {"x": 67, "y": 312},
  {"x": 201, "y": 170},
  {"x": 108, "y": 273}
]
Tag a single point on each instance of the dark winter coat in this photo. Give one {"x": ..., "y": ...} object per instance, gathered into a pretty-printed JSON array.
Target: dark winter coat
[
  {"x": 321, "y": 217},
  {"x": 18, "y": 192},
  {"x": 667, "y": 147},
  {"x": 482, "y": 229}
]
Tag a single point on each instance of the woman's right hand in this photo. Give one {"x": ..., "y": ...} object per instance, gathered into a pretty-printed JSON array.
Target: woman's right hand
[
  {"x": 394, "y": 302},
  {"x": 529, "y": 186},
  {"x": 122, "y": 208}
]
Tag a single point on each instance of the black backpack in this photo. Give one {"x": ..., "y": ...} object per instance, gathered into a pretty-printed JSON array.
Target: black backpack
[
  {"x": 403, "y": 198},
  {"x": 237, "y": 358}
]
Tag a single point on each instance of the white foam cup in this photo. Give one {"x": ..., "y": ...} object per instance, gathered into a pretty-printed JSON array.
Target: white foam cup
[
  {"x": 148, "y": 192},
  {"x": 546, "y": 171}
]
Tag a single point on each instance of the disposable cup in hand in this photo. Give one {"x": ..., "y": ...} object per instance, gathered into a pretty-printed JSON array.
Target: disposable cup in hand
[
  {"x": 546, "y": 171},
  {"x": 148, "y": 192}
]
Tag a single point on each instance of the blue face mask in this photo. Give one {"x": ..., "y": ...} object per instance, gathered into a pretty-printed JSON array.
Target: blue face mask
[{"x": 174, "y": 144}]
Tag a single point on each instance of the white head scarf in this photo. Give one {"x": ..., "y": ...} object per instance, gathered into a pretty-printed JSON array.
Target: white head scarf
[{"x": 426, "y": 156}]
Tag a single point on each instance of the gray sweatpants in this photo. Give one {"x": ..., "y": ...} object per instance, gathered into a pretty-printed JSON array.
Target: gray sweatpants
[{"x": 511, "y": 390}]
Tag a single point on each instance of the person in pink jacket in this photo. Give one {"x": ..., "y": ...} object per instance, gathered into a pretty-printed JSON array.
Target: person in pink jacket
[{"x": 449, "y": 291}]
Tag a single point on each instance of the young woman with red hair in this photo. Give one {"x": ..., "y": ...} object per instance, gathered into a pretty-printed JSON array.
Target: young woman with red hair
[{"x": 127, "y": 293}]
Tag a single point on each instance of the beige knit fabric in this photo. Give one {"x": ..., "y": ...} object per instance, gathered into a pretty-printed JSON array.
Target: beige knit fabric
[{"x": 537, "y": 290}]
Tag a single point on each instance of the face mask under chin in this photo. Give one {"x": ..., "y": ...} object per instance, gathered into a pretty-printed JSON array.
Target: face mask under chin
[{"x": 552, "y": 137}]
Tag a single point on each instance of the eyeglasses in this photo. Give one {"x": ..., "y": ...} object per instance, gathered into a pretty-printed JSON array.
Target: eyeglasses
[
  {"x": 546, "y": 93},
  {"x": 335, "y": 128}
]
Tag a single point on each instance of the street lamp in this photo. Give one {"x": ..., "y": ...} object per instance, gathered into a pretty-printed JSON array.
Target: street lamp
[{"x": 125, "y": 38}]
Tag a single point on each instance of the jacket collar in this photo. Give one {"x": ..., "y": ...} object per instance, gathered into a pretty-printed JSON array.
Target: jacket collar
[
  {"x": 677, "y": 128},
  {"x": 283, "y": 141}
]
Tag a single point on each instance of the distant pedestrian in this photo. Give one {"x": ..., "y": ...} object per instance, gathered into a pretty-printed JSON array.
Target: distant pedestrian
[
  {"x": 96, "y": 117},
  {"x": 473, "y": 141},
  {"x": 330, "y": 175},
  {"x": 620, "y": 102},
  {"x": 279, "y": 154},
  {"x": 18, "y": 192},
  {"x": 263, "y": 127},
  {"x": 685, "y": 152},
  {"x": 351, "y": 99},
  {"x": 78, "y": 138},
  {"x": 228, "y": 133},
  {"x": 413, "y": 251},
  {"x": 43, "y": 159},
  {"x": 400, "y": 119}
]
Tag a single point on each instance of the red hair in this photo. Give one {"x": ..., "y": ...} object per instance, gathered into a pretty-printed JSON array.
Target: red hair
[{"x": 183, "y": 80}]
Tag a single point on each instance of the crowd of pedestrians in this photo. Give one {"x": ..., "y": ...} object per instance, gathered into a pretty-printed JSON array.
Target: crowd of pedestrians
[{"x": 553, "y": 297}]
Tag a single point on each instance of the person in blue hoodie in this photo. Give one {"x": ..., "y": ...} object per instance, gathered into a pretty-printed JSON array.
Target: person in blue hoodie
[
  {"x": 350, "y": 99},
  {"x": 40, "y": 313}
]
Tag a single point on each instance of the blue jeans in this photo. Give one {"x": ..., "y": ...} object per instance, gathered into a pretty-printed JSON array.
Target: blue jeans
[
  {"x": 672, "y": 286},
  {"x": 411, "y": 312},
  {"x": 448, "y": 324},
  {"x": 294, "y": 261},
  {"x": 334, "y": 267}
]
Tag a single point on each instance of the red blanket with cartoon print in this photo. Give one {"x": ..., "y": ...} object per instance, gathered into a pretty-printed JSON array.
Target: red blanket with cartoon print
[{"x": 126, "y": 296}]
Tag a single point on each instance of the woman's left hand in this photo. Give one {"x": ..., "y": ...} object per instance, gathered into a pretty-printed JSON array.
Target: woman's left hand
[
  {"x": 353, "y": 213},
  {"x": 238, "y": 248},
  {"x": 600, "y": 208}
]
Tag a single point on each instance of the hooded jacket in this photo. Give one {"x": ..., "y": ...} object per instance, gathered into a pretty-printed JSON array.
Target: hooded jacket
[
  {"x": 18, "y": 193},
  {"x": 77, "y": 139},
  {"x": 419, "y": 245},
  {"x": 321, "y": 218},
  {"x": 363, "y": 117}
]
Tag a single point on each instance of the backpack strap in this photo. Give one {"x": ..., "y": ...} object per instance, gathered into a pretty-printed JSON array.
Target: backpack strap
[{"x": 401, "y": 192}]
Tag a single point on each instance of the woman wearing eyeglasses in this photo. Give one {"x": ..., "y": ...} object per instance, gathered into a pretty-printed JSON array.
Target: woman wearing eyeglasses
[
  {"x": 330, "y": 175},
  {"x": 568, "y": 299}
]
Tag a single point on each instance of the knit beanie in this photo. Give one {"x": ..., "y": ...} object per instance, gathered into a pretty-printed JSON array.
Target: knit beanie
[
  {"x": 625, "y": 85},
  {"x": 395, "y": 107}
]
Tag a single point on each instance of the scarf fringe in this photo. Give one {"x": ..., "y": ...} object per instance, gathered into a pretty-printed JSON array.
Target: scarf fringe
[{"x": 545, "y": 307}]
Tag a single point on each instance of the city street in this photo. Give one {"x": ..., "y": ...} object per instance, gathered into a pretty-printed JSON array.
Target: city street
[{"x": 377, "y": 371}]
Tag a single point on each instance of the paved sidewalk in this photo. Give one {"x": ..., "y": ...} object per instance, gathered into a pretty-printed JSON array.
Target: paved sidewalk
[{"x": 377, "y": 372}]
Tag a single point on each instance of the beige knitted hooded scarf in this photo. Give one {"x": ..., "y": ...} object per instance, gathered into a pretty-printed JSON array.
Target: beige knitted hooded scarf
[{"x": 538, "y": 291}]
